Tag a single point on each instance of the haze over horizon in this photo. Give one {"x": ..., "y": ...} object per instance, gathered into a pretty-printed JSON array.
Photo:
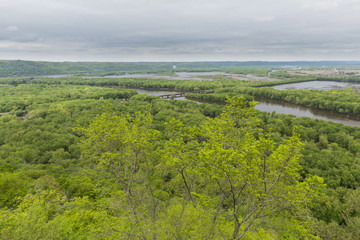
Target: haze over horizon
[{"x": 167, "y": 30}]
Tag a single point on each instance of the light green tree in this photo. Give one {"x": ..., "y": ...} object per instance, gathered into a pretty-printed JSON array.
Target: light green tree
[
  {"x": 256, "y": 181},
  {"x": 233, "y": 179},
  {"x": 126, "y": 147}
]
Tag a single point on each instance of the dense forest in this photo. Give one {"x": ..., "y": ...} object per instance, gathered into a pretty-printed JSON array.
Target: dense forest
[
  {"x": 32, "y": 68},
  {"x": 90, "y": 158}
]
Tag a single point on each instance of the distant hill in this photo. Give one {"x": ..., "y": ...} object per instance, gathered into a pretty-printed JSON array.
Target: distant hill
[{"x": 34, "y": 68}]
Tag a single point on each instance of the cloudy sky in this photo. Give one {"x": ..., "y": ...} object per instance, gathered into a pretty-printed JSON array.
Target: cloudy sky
[{"x": 179, "y": 30}]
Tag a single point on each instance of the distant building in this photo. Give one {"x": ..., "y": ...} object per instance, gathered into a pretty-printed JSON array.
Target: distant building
[{"x": 174, "y": 66}]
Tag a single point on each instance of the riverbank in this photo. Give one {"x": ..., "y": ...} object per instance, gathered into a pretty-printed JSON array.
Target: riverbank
[{"x": 278, "y": 106}]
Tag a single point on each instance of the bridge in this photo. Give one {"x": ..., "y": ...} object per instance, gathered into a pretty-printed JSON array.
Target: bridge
[
  {"x": 173, "y": 95},
  {"x": 182, "y": 94}
]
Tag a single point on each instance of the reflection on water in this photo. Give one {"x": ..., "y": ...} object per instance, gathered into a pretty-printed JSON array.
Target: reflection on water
[
  {"x": 269, "y": 105},
  {"x": 175, "y": 76},
  {"x": 321, "y": 85},
  {"x": 209, "y": 76}
]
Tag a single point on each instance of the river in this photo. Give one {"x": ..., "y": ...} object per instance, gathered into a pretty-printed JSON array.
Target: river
[
  {"x": 208, "y": 76},
  {"x": 269, "y": 105},
  {"x": 321, "y": 85}
]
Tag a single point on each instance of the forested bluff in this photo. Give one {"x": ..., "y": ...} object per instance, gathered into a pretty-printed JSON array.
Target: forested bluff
[{"x": 90, "y": 158}]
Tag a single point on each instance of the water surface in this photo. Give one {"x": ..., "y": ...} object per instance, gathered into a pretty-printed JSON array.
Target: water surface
[
  {"x": 269, "y": 105},
  {"x": 209, "y": 76},
  {"x": 321, "y": 85}
]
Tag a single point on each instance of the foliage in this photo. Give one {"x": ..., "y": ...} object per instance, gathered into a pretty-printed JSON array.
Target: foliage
[
  {"x": 247, "y": 176},
  {"x": 54, "y": 189},
  {"x": 342, "y": 101}
]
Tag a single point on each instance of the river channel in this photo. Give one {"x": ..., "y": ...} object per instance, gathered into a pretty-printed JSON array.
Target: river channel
[
  {"x": 321, "y": 85},
  {"x": 269, "y": 105},
  {"x": 209, "y": 76}
]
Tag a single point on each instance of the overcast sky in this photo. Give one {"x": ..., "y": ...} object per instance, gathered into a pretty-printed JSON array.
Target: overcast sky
[{"x": 179, "y": 30}]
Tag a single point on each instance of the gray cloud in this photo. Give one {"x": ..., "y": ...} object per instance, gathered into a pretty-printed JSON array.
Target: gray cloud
[{"x": 169, "y": 30}]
